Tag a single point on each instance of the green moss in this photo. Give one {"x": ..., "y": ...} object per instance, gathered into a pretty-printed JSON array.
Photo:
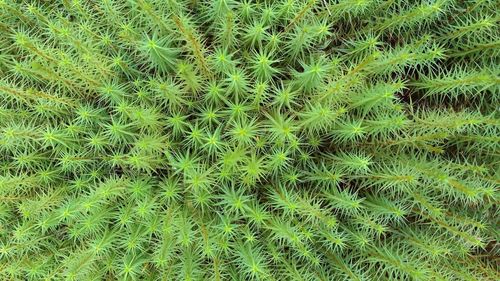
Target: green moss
[{"x": 249, "y": 140}]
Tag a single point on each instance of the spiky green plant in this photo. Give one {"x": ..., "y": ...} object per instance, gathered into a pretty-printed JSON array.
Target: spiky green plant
[{"x": 249, "y": 140}]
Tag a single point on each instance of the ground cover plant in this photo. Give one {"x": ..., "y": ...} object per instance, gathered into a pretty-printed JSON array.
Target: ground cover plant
[{"x": 249, "y": 140}]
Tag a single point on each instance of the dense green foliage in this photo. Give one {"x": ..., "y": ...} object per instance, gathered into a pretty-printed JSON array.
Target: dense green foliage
[{"x": 249, "y": 140}]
